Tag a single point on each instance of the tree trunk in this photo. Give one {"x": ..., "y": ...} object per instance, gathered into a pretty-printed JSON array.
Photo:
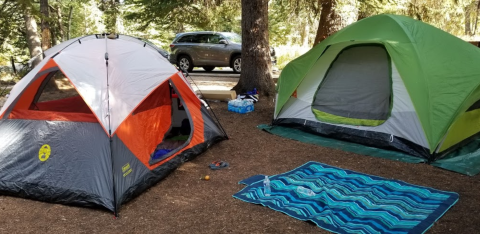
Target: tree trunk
[
  {"x": 61, "y": 29},
  {"x": 468, "y": 28},
  {"x": 13, "y": 65},
  {"x": 256, "y": 63},
  {"x": 33, "y": 41},
  {"x": 475, "y": 25},
  {"x": 85, "y": 27},
  {"x": 304, "y": 35},
  {"x": 45, "y": 26},
  {"x": 110, "y": 14},
  {"x": 47, "y": 38},
  {"x": 54, "y": 29},
  {"x": 69, "y": 21},
  {"x": 329, "y": 21}
]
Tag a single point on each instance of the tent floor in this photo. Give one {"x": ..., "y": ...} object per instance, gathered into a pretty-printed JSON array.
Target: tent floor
[{"x": 465, "y": 160}]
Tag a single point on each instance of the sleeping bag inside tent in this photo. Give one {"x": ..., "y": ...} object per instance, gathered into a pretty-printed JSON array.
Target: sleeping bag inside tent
[
  {"x": 126, "y": 119},
  {"x": 386, "y": 81}
]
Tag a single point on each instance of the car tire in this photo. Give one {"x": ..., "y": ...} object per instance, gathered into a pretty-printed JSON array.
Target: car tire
[
  {"x": 237, "y": 64},
  {"x": 208, "y": 68},
  {"x": 185, "y": 63}
]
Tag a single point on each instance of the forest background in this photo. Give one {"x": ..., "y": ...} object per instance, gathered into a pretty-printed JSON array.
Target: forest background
[{"x": 27, "y": 27}]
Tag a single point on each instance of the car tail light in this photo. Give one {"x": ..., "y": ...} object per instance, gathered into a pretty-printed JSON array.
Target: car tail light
[{"x": 172, "y": 45}]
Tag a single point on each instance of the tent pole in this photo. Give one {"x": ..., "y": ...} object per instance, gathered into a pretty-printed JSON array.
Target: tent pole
[
  {"x": 115, "y": 211},
  {"x": 211, "y": 109}
]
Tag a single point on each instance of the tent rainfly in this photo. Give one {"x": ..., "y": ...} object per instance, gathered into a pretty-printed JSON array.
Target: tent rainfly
[
  {"x": 131, "y": 120},
  {"x": 386, "y": 81}
]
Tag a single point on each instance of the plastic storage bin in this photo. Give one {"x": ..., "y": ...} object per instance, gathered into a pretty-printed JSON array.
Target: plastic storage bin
[{"x": 240, "y": 106}]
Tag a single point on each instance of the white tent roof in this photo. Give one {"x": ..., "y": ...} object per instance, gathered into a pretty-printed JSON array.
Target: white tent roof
[{"x": 134, "y": 70}]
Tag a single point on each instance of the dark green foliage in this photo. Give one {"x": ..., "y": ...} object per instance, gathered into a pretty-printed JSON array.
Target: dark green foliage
[
  {"x": 12, "y": 34},
  {"x": 293, "y": 21},
  {"x": 168, "y": 14}
]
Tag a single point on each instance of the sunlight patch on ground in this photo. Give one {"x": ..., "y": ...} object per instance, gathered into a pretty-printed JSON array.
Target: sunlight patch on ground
[
  {"x": 212, "y": 85},
  {"x": 64, "y": 84}
]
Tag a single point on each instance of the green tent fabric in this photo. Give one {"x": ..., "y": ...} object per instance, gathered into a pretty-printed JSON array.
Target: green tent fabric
[
  {"x": 440, "y": 72},
  {"x": 299, "y": 135},
  {"x": 465, "y": 160}
]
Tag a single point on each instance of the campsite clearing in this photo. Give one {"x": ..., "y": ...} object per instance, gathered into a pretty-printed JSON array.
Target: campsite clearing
[{"x": 181, "y": 203}]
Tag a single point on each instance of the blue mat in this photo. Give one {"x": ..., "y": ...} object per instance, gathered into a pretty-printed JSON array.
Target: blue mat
[{"x": 345, "y": 201}]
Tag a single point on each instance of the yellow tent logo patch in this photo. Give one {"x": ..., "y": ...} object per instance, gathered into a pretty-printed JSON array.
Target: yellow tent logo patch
[
  {"x": 44, "y": 152},
  {"x": 126, "y": 169}
]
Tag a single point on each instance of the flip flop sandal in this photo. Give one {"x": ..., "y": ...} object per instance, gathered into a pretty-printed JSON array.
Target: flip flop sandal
[{"x": 216, "y": 165}]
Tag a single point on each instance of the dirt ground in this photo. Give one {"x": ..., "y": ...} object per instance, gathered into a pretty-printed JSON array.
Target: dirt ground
[{"x": 182, "y": 203}]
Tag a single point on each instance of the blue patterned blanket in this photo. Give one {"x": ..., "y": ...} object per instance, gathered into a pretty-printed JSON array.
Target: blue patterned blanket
[{"x": 344, "y": 201}]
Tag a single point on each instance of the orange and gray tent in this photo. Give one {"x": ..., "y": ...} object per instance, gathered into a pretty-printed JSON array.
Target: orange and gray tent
[{"x": 134, "y": 120}]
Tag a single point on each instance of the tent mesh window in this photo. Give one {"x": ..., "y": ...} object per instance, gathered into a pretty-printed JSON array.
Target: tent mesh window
[
  {"x": 52, "y": 97},
  {"x": 356, "y": 89},
  {"x": 57, "y": 94}
]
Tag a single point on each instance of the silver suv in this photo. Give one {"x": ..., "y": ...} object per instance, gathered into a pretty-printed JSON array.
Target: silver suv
[{"x": 208, "y": 50}]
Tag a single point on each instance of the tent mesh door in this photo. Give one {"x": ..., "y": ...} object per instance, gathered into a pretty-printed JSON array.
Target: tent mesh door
[{"x": 356, "y": 89}]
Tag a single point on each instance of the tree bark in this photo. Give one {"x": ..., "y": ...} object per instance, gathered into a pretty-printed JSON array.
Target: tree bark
[
  {"x": 111, "y": 12},
  {"x": 468, "y": 28},
  {"x": 69, "y": 21},
  {"x": 47, "y": 38},
  {"x": 33, "y": 41},
  {"x": 329, "y": 21},
  {"x": 61, "y": 29},
  {"x": 475, "y": 25},
  {"x": 13, "y": 65},
  {"x": 256, "y": 62},
  {"x": 304, "y": 35},
  {"x": 45, "y": 26},
  {"x": 54, "y": 29}
]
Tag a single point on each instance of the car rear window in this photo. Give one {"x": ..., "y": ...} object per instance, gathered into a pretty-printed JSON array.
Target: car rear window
[
  {"x": 200, "y": 38},
  {"x": 187, "y": 38}
]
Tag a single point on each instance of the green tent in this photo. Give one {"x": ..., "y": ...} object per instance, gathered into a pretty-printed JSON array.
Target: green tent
[{"x": 387, "y": 81}]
